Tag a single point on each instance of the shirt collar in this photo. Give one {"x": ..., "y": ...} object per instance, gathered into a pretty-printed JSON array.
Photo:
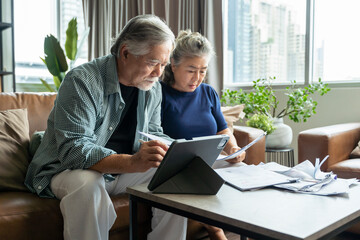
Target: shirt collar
[{"x": 111, "y": 77}]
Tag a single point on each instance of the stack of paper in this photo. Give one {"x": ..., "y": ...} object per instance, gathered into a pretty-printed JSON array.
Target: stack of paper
[
  {"x": 303, "y": 178},
  {"x": 311, "y": 179}
]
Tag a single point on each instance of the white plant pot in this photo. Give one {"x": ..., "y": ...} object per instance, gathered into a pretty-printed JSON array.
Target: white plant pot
[{"x": 281, "y": 137}]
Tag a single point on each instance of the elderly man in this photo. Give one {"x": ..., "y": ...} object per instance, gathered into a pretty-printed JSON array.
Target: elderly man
[{"x": 91, "y": 148}]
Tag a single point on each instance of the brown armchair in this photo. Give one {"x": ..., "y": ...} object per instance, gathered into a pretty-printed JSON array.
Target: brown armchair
[
  {"x": 244, "y": 135},
  {"x": 337, "y": 141}
]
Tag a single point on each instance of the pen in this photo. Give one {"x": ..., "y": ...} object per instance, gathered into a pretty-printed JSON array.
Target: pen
[
  {"x": 293, "y": 180},
  {"x": 141, "y": 141}
]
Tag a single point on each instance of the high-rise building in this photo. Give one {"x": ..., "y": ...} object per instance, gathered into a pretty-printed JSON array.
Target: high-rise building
[{"x": 265, "y": 40}]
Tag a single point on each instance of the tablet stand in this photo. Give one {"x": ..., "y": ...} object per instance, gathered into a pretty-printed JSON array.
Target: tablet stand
[{"x": 195, "y": 178}]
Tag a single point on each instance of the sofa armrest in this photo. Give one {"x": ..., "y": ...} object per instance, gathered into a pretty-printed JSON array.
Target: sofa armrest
[
  {"x": 337, "y": 141},
  {"x": 244, "y": 135}
]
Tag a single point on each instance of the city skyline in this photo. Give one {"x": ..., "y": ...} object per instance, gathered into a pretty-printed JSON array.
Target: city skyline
[{"x": 267, "y": 38}]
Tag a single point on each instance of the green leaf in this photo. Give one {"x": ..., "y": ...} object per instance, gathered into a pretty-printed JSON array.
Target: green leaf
[
  {"x": 47, "y": 85},
  {"x": 43, "y": 60},
  {"x": 57, "y": 81},
  {"x": 54, "y": 56},
  {"x": 71, "y": 39}
]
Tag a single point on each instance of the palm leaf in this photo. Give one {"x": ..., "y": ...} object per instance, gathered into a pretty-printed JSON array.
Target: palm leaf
[
  {"x": 47, "y": 85},
  {"x": 71, "y": 39},
  {"x": 43, "y": 60},
  {"x": 57, "y": 81},
  {"x": 54, "y": 56}
]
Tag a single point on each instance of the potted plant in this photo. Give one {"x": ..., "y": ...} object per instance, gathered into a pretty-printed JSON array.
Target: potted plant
[
  {"x": 262, "y": 106},
  {"x": 55, "y": 59}
]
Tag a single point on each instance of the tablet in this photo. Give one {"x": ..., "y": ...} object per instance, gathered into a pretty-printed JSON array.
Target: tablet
[{"x": 181, "y": 152}]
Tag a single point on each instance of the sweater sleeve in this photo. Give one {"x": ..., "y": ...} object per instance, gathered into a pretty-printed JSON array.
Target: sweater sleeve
[{"x": 216, "y": 111}]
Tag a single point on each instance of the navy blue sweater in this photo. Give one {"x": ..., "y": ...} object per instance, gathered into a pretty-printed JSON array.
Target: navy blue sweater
[{"x": 191, "y": 114}]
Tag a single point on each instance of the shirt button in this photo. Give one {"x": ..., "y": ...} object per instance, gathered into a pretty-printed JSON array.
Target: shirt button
[
  {"x": 39, "y": 187},
  {"x": 110, "y": 128}
]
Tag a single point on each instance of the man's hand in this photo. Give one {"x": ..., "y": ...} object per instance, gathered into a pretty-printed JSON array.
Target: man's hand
[{"x": 150, "y": 155}]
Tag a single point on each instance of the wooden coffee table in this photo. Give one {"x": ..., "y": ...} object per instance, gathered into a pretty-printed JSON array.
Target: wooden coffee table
[{"x": 262, "y": 214}]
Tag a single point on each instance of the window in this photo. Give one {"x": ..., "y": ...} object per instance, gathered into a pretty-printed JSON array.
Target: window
[
  {"x": 267, "y": 38},
  {"x": 34, "y": 20},
  {"x": 337, "y": 40}
]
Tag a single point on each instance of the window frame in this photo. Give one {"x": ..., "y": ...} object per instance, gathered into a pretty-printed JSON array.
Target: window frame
[
  {"x": 309, "y": 56},
  {"x": 58, "y": 25}
]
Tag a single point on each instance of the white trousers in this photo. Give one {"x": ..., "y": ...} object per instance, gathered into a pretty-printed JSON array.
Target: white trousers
[{"x": 89, "y": 213}]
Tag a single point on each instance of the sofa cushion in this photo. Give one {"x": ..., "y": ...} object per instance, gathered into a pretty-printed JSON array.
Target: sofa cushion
[
  {"x": 233, "y": 114},
  {"x": 347, "y": 168},
  {"x": 14, "y": 143},
  {"x": 24, "y": 215},
  {"x": 356, "y": 152}
]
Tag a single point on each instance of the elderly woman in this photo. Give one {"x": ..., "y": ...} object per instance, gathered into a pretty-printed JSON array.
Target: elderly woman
[{"x": 191, "y": 108}]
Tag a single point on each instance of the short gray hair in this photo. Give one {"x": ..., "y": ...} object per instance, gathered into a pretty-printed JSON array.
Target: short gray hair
[
  {"x": 188, "y": 45},
  {"x": 141, "y": 33}
]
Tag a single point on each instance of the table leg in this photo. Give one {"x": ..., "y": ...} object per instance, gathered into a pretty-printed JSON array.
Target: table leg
[{"x": 133, "y": 218}]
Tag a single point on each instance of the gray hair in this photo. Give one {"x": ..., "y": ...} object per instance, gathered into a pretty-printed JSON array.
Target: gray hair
[
  {"x": 141, "y": 33},
  {"x": 188, "y": 45}
]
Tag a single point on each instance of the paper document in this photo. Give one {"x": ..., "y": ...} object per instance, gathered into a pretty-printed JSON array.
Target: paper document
[
  {"x": 311, "y": 179},
  {"x": 331, "y": 187},
  {"x": 250, "y": 177},
  {"x": 235, "y": 154},
  {"x": 153, "y": 137},
  {"x": 318, "y": 174}
]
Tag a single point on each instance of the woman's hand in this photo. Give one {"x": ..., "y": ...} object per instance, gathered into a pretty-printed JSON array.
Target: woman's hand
[{"x": 238, "y": 158}]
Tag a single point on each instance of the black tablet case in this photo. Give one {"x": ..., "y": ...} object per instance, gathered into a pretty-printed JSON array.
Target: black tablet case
[{"x": 186, "y": 167}]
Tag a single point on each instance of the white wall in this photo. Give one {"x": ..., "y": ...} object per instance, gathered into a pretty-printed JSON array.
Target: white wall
[{"x": 340, "y": 105}]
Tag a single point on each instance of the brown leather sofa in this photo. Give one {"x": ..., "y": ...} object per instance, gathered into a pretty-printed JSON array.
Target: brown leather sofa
[
  {"x": 338, "y": 141},
  {"x": 24, "y": 215}
]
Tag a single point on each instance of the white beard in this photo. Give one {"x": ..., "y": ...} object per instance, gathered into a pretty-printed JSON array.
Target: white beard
[{"x": 147, "y": 84}]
